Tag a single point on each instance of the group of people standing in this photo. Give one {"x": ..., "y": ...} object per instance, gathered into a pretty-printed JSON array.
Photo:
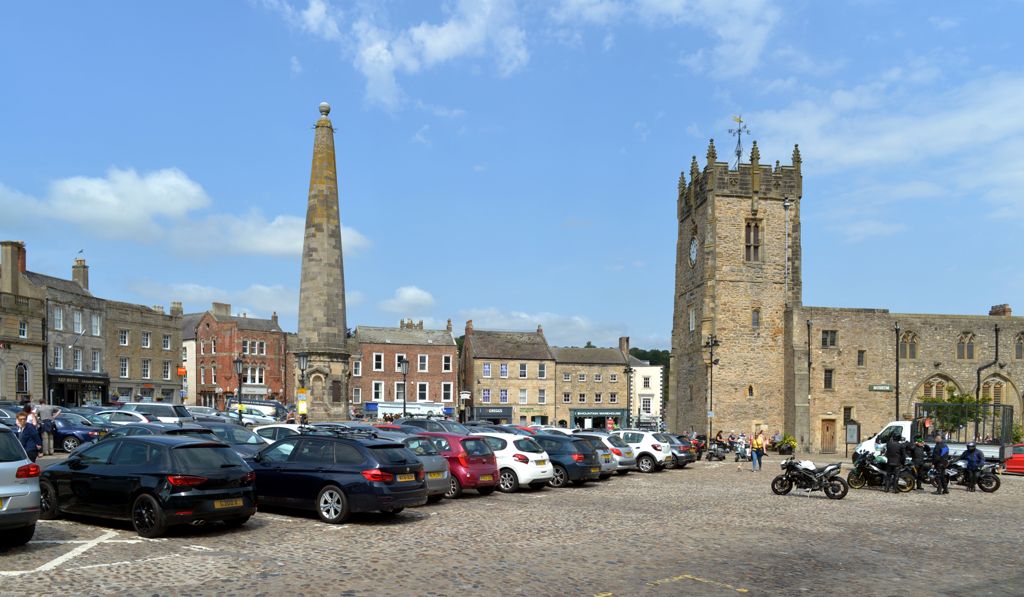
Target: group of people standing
[
  {"x": 896, "y": 451},
  {"x": 34, "y": 429}
]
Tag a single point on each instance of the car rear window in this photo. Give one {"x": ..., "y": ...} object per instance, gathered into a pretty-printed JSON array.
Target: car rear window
[
  {"x": 458, "y": 427},
  {"x": 661, "y": 437},
  {"x": 496, "y": 443},
  {"x": 476, "y": 447},
  {"x": 1018, "y": 449},
  {"x": 196, "y": 433},
  {"x": 394, "y": 455},
  {"x": 10, "y": 449},
  {"x": 583, "y": 446},
  {"x": 617, "y": 441},
  {"x": 421, "y": 446},
  {"x": 528, "y": 445},
  {"x": 204, "y": 457},
  {"x": 238, "y": 435}
]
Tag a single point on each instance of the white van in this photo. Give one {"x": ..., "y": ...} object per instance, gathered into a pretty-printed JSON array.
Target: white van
[{"x": 164, "y": 412}]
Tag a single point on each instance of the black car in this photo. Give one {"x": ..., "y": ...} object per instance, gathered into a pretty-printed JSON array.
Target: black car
[
  {"x": 243, "y": 440},
  {"x": 436, "y": 425},
  {"x": 183, "y": 429},
  {"x": 336, "y": 474},
  {"x": 574, "y": 459},
  {"x": 153, "y": 481},
  {"x": 683, "y": 452}
]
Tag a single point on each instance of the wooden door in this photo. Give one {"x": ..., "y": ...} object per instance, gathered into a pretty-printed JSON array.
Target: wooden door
[{"x": 828, "y": 436}]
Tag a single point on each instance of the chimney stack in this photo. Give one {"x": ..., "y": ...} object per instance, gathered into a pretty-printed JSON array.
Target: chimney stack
[
  {"x": 1003, "y": 310},
  {"x": 273, "y": 317},
  {"x": 80, "y": 273},
  {"x": 469, "y": 327},
  {"x": 176, "y": 308},
  {"x": 449, "y": 328},
  {"x": 540, "y": 330},
  {"x": 624, "y": 346},
  {"x": 12, "y": 264},
  {"x": 221, "y": 309},
  {"x": 159, "y": 309}
]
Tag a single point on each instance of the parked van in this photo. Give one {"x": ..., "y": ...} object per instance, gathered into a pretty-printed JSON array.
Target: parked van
[
  {"x": 270, "y": 408},
  {"x": 163, "y": 411}
]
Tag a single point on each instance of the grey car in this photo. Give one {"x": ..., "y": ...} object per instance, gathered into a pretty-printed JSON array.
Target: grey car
[
  {"x": 435, "y": 466},
  {"x": 622, "y": 453},
  {"x": 19, "y": 492},
  {"x": 604, "y": 454}
]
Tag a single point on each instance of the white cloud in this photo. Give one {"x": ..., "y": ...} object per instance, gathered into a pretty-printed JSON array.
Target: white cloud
[
  {"x": 421, "y": 135},
  {"x": 596, "y": 12},
  {"x": 408, "y": 300},
  {"x": 560, "y": 330},
  {"x": 296, "y": 66},
  {"x": 641, "y": 129},
  {"x": 257, "y": 300},
  {"x": 943, "y": 23},
  {"x": 319, "y": 18},
  {"x": 858, "y": 230},
  {"x": 608, "y": 42},
  {"x": 440, "y": 111}
]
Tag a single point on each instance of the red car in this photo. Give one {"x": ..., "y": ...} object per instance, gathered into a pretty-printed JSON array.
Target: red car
[
  {"x": 470, "y": 460},
  {"x": 525, "y": 428},
  {"x": 1015, "y": 463}
]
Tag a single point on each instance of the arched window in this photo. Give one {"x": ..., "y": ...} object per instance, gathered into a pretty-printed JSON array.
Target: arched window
[
  {"x": 753, "y": 240},
  {"x": 750, "y": 391},
  {"x": 1018, "y": 348},
  {"x": 992, "y": 391},
  {"x": 908, "y": 345},
  {"x": 21, "y": 378},
  {"x": 937, "y": 388},
  {"x": 965, "y": 347}
]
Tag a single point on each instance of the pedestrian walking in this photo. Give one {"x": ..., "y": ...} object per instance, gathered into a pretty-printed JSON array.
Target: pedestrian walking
[
  {"x": 46, "y": 413},
  {"x": 28, "y": 436},
  {"x": 940, "y": 459},
  {"x": 975, "y": 460},
  {"x": 757, "y": 450},
  {"x": 917, "y": 455},
  {"x": 894, "y": 454}
]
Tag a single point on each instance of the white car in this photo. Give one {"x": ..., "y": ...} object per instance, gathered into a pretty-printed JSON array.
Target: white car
[
  {"x": 272, "y": 433},
  {"x": 123, "y": 417},
  {"x": 520, "y": 459},
  {"x": 165, "y": 411},
  {"x": 251, "y": 417},
  {"x": 651, "y": 454}
]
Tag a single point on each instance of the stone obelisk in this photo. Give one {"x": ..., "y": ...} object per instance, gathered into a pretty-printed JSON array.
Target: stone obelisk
[{"x": 322, "y": 325}]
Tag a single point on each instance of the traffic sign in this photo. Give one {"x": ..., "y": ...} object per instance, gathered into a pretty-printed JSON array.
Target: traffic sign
[{"x": 880, "y": 387}]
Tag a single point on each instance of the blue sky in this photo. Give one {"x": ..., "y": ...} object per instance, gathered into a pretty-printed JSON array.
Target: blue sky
[{"x": 510, "y": 162}]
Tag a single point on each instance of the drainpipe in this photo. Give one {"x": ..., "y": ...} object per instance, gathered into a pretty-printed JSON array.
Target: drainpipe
[
  {"x": 977, "y": 386},
  {"x": 808, "y": 403}
]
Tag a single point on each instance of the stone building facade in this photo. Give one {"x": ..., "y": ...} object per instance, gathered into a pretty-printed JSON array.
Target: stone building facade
[
  {"x": 509, "y": 376},
  {"x": 23, "y": 347},
  {"x": 648, "y": 391},
  {"x": 143, "y": 351},
  {"x": 592, "y": 386},
  {"x": 377, "y": 383},
  {"x": 746, "y": 351}
]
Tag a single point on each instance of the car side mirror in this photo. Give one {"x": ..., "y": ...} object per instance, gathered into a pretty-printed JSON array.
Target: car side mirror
[{"x": 258, "y": 457}]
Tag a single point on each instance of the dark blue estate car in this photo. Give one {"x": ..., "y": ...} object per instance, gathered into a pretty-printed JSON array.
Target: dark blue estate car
[
  {"x": 336, "y": 474},
  {"x": 574, "y": 459},
  {"x": 73, "y": 430}
]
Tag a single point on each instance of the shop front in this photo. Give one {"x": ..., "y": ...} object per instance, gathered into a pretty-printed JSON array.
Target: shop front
[
  {"x": 596, "y": 418},
  {"x": 69, "y": 388},
  {"x": 532, "y": 415},
  {"x": 495, "y": 414}
]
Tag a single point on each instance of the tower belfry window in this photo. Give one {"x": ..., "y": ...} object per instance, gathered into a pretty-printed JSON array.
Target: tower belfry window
[{"x": 752, "y": 241}]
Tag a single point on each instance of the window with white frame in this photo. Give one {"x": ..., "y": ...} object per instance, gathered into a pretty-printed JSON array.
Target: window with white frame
[
  {"x": 423, "y": 363},
  {"x": 378, "y": 361},
  {"x": 503, "y": 396},
  {"x": 58, "y": 317},
  {"x": 76, "y": 359},
  {"x": 263, "y": 348},
  {"x": 166, "y": 344},
  {"x": 542, "y": 371},
  {"x": 213, "y": 346},
  {"x": 357, "y": 368},
  {"x": 446, "y": 363},
  {"x": 647, "y": 381},
  {"x": 166, "y": 372},
  {"x": 146, "y": 338},
  {"x": 122, "y": 337},
  {"x": 213, "y": 374},
  {"x": 76, "y": 321},
  {"x": 245, "y": 347},
  {"x": 613, "y": 377},
  {"x": 523, "y": 395},
  {"x": 23, "y": 329},
  {"x": 645, "y": 404},
  {"x": 123, "y": 367},
  {"x": 597, "y": 397},
  {"x": 58, "y": 357},
  {"x": 567, "y": 377},
  {"x": 398, "y": 362},
  {"x": 486, "y": 369},
  {"x": 566, "y": 397},
  {"x": 597, "y": 377},
  {"x": 202, "y": 347},
  {"x": 422, "y": 391},
  {"x": 503, "y": 370},
  {"x": 581, "y": 377},
  {"x": 259, "y": 375},
  {"x": 542, "y": 396},
  {"x": 582, "y": 397},
  {"x": 21, "y": 378},
  {"x": 184, "y": 354},
  {"x": 399, "y": 391},
  {"x": 96, "y": 361},
  {"x": 485, "y": 396},
  {"x": 446, "y": 391},
  {"x": 202, "y": 375},
  {"x": 95, "y": 324},
  {"x": 378, "y": 391},
  {"x": 613, "y": 397},
  {"x": 357, "y": 395},
  {"x": 145, "y": 368},
  {"x": 522, "y": 370}
]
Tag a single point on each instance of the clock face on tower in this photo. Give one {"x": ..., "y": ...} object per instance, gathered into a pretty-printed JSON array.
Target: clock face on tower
[{"x": 693, "y": 251}]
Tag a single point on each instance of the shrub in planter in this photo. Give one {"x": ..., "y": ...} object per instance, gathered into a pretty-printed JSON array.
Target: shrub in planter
[{"x": 787, "y": 445}]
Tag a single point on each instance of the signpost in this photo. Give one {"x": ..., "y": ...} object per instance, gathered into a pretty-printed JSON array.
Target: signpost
[
  {"x": 881, "y": 387},
  {"x": 301, "y": 403}
]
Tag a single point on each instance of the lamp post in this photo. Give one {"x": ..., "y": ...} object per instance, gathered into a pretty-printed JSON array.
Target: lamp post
[
  {"x": 303, "y": 359},
  {"x": 238, "y": 372},
  {"x": 896, "y": 329},
  {"x": 711, "y": 345},
  {"x": 629, "y": 396},
  {"x": 403, "y": 364}
]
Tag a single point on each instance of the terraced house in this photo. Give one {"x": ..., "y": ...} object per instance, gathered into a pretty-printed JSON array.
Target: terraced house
[
  {"x": 592, "y": 386},
  {"x": 143, "y": 351},
  {"x": 23, "y": 348}
]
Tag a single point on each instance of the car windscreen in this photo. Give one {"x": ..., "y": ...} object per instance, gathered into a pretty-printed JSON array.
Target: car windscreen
[
  {"x": 393, "y": 455},
  {"x": 617, "y": 441},
  {"x": 196, "y": 457},
  {"x": 421, "y": 446},
  {"x": 10, "y": 449},
  {"x": 476, "y": 447},
  {"x": 238, "y": 435},
  {"x": 528, "y": 445},
  {"x": 181, "y": 411}
]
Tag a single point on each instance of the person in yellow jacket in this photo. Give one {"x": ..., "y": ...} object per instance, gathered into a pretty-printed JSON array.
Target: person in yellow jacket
[{"x": 757, "y": 445}]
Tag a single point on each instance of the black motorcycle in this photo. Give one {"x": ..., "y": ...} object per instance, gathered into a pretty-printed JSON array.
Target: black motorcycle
[
  {"x": 867, "y": 473},
  {"x": 956, "y": 474},
  {"x": 804, "y": 475}
]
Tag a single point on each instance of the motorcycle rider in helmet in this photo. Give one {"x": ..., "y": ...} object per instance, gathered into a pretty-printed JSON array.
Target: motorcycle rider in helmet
[
  {"x": 894, "y": 454},
  {"x": 916, "y": 451},
  {"x": 975, "y": 460},
  {"x": 940, "y": 459}
]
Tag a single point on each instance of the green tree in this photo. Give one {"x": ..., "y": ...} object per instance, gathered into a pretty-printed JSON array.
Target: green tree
[
  {"x": 589, "y": 344},
  {"x": 956, "y": 410}
]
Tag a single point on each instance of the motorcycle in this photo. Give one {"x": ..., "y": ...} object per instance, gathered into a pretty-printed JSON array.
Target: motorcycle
[
  {"x": 988, "y": 476},
  {"x": 716, "y": 451},
  {"x": 739, "y": 447},
  {"x": 867, "y": 473},
  {"x": 803, "y": 474}
]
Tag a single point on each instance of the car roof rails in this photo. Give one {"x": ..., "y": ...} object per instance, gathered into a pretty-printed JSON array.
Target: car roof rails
[{"x": 351, "y": 433}]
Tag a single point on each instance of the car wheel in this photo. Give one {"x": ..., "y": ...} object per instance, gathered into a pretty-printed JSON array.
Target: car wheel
[
  {"x": 70, "y": 443},
  {"x": 332, "y": 505},
  {"x": 148, "y": 517},
  {"x": 17, "y": 537},
  {"x": 48, "y": 509},
  {"x": 454, "y": 488},
  {"x": 560, "y": 478},
  {"x": 433, "y": 499},
  {"x": 646, "y": 464},
  {"x": 234, "y": 523},
  {"x": 486, "y": 490},
  {"x": 508, "y": 481}
]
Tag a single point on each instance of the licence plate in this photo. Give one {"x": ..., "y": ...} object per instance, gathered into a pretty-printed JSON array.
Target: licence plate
[
  {"x": 486, "y": 477},
  {"x": 629, "y": 454},
  {"x": 404, "y": 478},
  {"x": 595, "y": 469},
  {"x": 235, "y": 503},
  {"x": 607, "y": 458},
  {"x": 541, "y": 462},
  {"x": 435, "y": 475}
]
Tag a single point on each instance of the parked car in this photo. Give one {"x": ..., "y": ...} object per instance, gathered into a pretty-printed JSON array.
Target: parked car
[
  {"x": 435, "y": 465},
  {"x": 573, "y": 458},
  {"x": 682, "y": 452},
  {"x": 205, "y": 411},
  {"x": 123, "y": 417},
  {"x": 278, "y": 431},
  {"x": 73, "y": 430},
  {"x": 555, "y": 430},
  {"x": 166, "y": 413},
  {"x": 270, "y": 408},
  {"x": 153, "y": 481},
  {"x": 604, "y": 454},
  {"x": 19, "y": 492},
  {"x": 521, "y": 461},
  {"x": 435, "y": 425},
  {"x": 1015, "y": 463},
  {"x": 470, "y": 461},
  {"x": 651, "y": 454},
  {"x": 622, "y": 454},
  {"x": 251, "y": 417},
  {"x": 408, "y": 429},
  {"x": 336, "y": 474},
  {"x": 244, "y": 441},
  {"x": 89, "y": 415},
  {"x": 183, "y": 429}
]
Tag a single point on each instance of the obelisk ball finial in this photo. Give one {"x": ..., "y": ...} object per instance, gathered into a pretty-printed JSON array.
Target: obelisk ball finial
[{"x": 325, "y": 108}]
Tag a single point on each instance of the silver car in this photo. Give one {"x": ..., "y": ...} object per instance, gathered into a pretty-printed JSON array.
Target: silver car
[
  {"x": 604, "y": 453},
  {"x": 622, "y": 453},
  {"x": 435, "y": 466},
  {"x": 19, "y": 492}
]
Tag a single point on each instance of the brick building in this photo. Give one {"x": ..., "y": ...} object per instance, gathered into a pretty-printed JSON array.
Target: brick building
[
  {"x": 143, "y": 351},
  {"x": 591, "y": 386},
  {"x": 23, "y": 347},
  {"x": 510, "y": 376},
  {"x": 377, "y": 380},
  {"x": 781, "y": 365}
]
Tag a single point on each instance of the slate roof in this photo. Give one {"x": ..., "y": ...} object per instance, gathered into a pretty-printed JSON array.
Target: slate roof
[
  {"x": 635, "y": 362},
  {"x": 589, "y": 356},
  {"x": 415, "y": 336},
  {"x": 253, "y": 324},
  {"x": 189, "y": 321},
  {"x": 56, "y": 283},
  {"x": 530, "y": 346}
]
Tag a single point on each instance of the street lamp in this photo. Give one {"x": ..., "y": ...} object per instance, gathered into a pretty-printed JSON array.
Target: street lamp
[
  {"x": 303, "y": 359},
  {"x": 711, "y": 345},
  {"x": 238, "y": 372},
  {"x": 629, "y": 396},
  {"x": 896, "y": 329},
  {"x": 403, "y": 364}
]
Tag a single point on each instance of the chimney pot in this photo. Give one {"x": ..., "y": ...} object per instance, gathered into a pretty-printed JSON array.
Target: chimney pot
[
  {"x": 469, "y": 326},
  {"x": 449, "y": 328}
]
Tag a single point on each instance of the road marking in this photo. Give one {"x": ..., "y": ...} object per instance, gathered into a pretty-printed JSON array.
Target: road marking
[
  {"x": 124, "y": 563},
  {"x": 683, "y": 577},
  {"x": 80, "y": 541},
  {"x": 197, "y": 548},
  {"x": 74, "y": 553}
]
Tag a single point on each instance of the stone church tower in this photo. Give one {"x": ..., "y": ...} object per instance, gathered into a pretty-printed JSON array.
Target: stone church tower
[
  {"x": 738, "y": 282},
  {"x": 322, "y": 324}
]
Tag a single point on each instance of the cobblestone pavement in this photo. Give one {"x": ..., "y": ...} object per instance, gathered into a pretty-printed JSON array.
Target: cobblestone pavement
[{"x": 709, "y": 529}]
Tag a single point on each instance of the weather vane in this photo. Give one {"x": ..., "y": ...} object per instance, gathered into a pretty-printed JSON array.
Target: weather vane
[{"x": 741, "y": 128}]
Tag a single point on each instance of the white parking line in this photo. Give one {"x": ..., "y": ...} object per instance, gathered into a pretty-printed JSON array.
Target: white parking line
[{"x": 74, "y": 553}]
